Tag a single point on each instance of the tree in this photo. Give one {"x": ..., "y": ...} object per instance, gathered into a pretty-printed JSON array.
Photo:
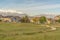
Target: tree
[
  {"x": 25, "y": 19},
  {"x": 42, "y": 19}
]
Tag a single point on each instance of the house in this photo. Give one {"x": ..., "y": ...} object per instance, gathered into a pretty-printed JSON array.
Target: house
[
  {"x": 16, "y": 19},
  {"x": 34, "y": 20},
  {"x": 49, "y": 20},
  {"x": 5, "y": 19},
  {"x": 56, "y": 18}
]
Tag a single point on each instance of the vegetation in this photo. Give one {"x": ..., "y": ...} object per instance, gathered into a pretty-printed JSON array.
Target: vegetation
[
  {"x": 25, "y": 19},
  {"x": 28, "y": 31},
  {"x": 42, "y": 19}
]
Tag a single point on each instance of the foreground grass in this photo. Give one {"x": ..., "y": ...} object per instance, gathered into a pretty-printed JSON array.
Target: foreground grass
[{"x": 27, "y": 31}]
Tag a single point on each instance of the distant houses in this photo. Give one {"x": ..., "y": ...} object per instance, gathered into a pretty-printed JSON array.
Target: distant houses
[
  {"x": 5, "y": 19},
  {"x": 27, "y": 19},
  {"x": 15, "y": 19},
  {"x": 57, "y": 19},
  {"x": 10, "y": 19}
]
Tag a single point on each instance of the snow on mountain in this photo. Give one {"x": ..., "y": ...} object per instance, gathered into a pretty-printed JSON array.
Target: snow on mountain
[{"x": 11, "y": 13}]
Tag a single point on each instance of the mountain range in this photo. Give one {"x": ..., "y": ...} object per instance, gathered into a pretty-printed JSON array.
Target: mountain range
[
  {"x": 20, "y": 14},
  {"x": 11, "y": 13}
]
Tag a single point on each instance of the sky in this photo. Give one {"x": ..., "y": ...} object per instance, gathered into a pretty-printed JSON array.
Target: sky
[{"x": 32, "y": 7}]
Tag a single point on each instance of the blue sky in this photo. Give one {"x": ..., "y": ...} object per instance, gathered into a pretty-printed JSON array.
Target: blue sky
[{"x": 32, "y": 7}]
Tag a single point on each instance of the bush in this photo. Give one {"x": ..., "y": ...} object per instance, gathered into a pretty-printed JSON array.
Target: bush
[{"x": 42, "y": 19}]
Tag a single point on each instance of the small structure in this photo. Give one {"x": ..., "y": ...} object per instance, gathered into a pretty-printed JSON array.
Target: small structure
[
  {"x": 15, "y": 19},
  {"x": 34, "y": 20},
  {"x": 5, "y": 19},
  {"x": 57, "y": 18},
  {"x": 49, "y": 20}
]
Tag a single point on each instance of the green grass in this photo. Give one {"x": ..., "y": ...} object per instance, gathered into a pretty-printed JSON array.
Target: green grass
[{"x": 27, "y": 31}]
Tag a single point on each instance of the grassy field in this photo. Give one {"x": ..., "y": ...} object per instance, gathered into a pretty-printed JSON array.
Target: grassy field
[{"x": 28, "y": 31}]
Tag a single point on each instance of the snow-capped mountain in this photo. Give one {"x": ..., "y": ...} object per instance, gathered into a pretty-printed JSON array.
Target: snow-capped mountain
[{"x": 11, "y": 13}]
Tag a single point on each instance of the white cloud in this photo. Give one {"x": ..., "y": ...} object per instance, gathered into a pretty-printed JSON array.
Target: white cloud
[{"x": 43, "y": 7}]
